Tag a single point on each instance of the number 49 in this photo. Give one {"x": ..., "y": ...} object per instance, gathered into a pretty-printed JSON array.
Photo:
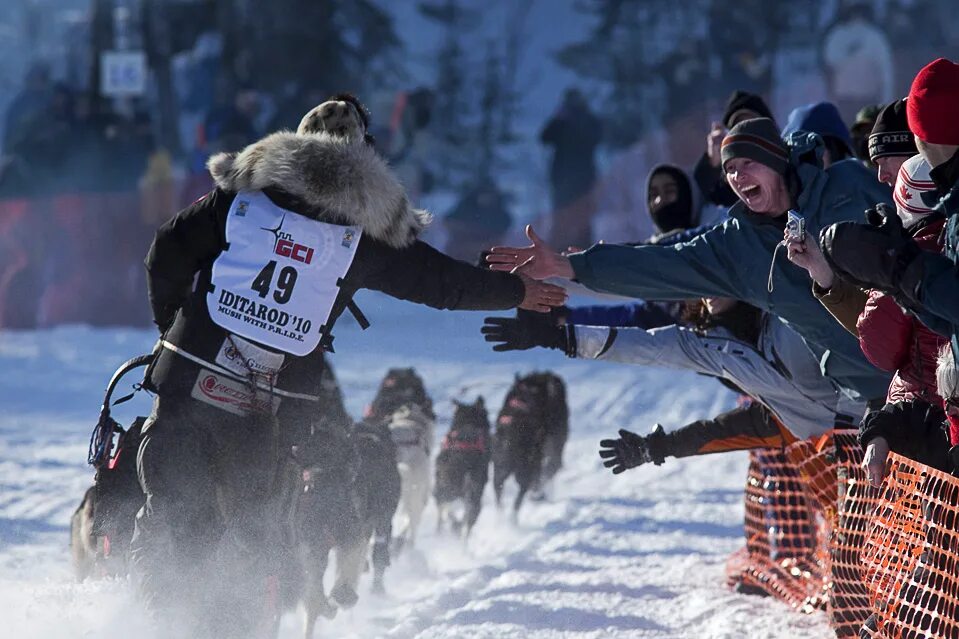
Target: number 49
[{"x": 284, "y": 283}]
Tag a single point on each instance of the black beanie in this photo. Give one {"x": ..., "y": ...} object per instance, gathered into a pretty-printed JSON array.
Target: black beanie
[
  {"x": 891, "y": 135},
  {"x": 757, "y": 139},
  {"x": 740, "y": 100}
]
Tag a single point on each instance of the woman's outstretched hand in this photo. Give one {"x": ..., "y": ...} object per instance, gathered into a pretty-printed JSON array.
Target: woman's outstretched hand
[{"x": 537, "y": 261}]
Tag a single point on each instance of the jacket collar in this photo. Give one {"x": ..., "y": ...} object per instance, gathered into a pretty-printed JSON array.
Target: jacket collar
[
  {"x": 946, "y": 175},
  {"x": 336, "y": 180}
]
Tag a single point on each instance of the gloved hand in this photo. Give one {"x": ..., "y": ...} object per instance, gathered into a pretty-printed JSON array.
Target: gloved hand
[
  {"x": 632, "y": 450},
  {"x": 525, "y": 331},
  {"x": 871, "y": 255}
]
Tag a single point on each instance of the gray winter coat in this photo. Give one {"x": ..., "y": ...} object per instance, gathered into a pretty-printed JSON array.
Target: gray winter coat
[
  {"x": 734, "y": 258},
  {"x": 779, "y": 371}
]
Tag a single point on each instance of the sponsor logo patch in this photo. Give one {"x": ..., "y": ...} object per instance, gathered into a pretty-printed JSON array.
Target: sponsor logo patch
[
  {"x": 230, "y": 395},
  {"x": 242, "y": 357}
]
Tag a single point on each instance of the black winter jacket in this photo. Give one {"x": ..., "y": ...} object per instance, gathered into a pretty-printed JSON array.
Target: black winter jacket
[{"x": 325, "y": 179}]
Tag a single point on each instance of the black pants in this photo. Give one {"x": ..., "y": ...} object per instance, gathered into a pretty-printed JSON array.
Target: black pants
[{"x": 208, "y": 535}]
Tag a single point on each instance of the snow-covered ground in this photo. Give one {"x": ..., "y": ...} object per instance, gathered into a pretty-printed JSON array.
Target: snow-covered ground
[{"x": 638, "y": 555}]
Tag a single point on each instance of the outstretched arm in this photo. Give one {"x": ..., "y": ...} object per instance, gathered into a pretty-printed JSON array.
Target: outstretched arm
[
  {"x": 742, "y": 428},
  {"x": 419, "y": 273}
]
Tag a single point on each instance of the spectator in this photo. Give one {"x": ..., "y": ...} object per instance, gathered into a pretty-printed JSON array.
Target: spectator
[
  {"x": 891, "y": 142},
  {"x": 708, "y": 172},
  {"x": 947, "y": 383},
  {"x": 844, "y": 299},
  {"x": 669, "y": 200},
  {"x": 858, "y": 59},
  {"x": 823, "y": 119},
  {"x": 892, "y": 339},
  {"x": 230, "y": 125},
  {"x": 671, "y": 206},
  {"x": 860, "y": 130},
  {"x": 884, "y": 256},
  {"x": 32, "y": 101},
  {"x": 574, "y": 132},
  {"x": 732, "y": 260}
]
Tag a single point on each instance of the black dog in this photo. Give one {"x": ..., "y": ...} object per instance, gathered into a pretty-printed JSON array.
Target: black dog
[
  {"x": 531, "y": 432},
  {"x": 346, "y": 491},
  {"x": 462, "y": 467},
  {"x": 378, "y": 487},
  {"x": 101, "y": 527},
  {"x": 324, "y": 516}
]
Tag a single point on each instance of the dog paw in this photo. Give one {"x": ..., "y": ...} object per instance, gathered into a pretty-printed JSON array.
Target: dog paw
[
  {"x": 345, "y": 596},
  {"x": 328, "y": 611}
]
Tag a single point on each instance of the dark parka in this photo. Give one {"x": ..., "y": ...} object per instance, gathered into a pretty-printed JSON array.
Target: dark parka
[{"x": 321, "y": 177}]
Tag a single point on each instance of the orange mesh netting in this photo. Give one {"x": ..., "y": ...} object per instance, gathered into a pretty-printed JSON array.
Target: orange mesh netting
[
  {"x": 818, "y": 535},
  {"x": 782, "y": 556},
  {"x": 849, "y": 601},
  {"x": 807, "y": 512},
  {"x": 911, "y": 554}
]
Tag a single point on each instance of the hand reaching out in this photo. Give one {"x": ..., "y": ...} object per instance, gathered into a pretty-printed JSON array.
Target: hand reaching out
[
  {"x": 540, "y": 296},
  {"x": 537, "y": 261}
]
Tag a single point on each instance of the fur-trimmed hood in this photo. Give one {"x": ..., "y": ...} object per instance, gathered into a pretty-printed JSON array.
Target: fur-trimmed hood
[{"x": 341, "y": 181}]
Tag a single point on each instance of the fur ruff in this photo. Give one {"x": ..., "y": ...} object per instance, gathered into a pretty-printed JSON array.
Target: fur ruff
[{"x": 342, "y": 181}]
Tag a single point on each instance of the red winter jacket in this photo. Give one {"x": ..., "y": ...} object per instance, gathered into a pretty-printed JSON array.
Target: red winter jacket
[{"x": 893, "y": 340}]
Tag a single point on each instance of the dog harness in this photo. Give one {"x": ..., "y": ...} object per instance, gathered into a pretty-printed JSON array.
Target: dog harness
[{"x": 455, "y": 440}]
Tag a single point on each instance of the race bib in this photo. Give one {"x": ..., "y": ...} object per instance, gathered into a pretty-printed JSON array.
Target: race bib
[{"x": 277, "y": 281}]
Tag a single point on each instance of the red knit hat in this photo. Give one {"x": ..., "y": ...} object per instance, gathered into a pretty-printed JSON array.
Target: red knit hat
[{"x": 934, "y": 102}]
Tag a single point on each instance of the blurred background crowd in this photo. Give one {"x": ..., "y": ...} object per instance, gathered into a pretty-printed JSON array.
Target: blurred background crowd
[{"x": 493, "y": 114}]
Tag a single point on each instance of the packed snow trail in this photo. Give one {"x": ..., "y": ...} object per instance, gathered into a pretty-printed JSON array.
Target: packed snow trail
[{"x": 637, "y": 555}]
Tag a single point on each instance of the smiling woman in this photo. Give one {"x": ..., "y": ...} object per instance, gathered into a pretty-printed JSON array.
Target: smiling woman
[{"x": 755, "y": 161}]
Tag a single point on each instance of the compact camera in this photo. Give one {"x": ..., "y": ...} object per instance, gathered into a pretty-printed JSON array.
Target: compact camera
[{"x": 795, "y": 226}]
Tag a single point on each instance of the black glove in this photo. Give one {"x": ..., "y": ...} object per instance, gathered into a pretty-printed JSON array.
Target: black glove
[
  {"x": 526, "y": 330},
  {"x": 872, "y": 255},
  {"x": 632, "y": 450}
]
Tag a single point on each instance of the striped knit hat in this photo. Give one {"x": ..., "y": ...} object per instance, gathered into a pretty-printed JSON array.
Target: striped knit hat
[
  {"x": 758, "y": 140},
  {"x": 913, "y": 180}
]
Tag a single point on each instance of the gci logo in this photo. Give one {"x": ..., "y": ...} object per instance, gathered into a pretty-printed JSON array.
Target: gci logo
[{"x": 284, "y": 245}]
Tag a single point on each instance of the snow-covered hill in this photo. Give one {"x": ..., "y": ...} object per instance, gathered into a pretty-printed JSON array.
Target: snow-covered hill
[{"x": 638, "y": 555}]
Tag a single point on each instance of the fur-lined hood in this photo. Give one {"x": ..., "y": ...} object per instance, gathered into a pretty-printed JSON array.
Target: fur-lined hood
[{"x": 346, "y": 182}]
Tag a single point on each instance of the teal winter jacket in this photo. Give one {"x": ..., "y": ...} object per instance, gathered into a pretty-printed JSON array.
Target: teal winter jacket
[{"x": 734, "y": 260}]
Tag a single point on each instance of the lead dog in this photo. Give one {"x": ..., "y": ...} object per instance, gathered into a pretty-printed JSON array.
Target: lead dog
[{"x": 531, "y": 431}]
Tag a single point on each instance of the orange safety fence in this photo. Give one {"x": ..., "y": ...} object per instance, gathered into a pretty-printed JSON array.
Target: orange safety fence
[
  {"x": 784, "y": 529},
  {"x": 910, "y": 556},
  {"x": 808, "y": 512},
  {"x": 849, "y": 602}
]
